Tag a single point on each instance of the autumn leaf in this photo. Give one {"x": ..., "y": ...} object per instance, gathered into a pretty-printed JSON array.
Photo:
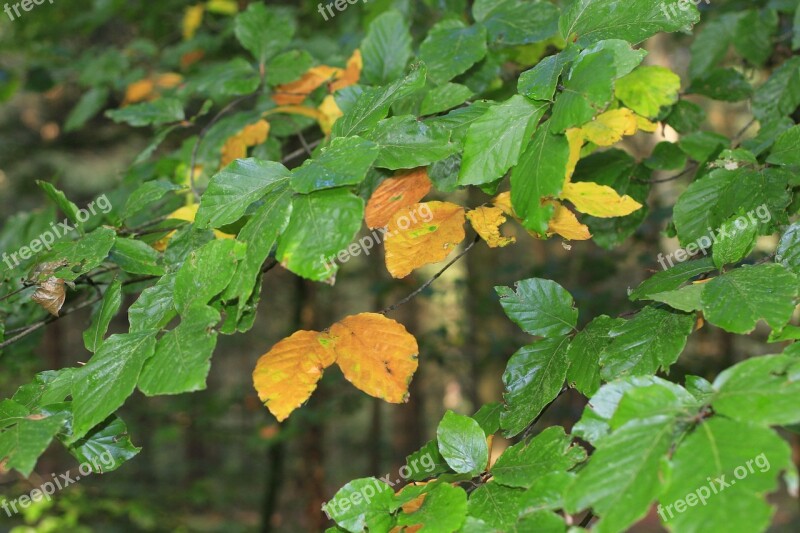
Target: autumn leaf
[
  {"x": 223, "y": 7},
  {"x": 330, "y": 113},
  {"x": 236, "y": 146},
  {"x": 186, "y": 213},
  {"x": 286, "y": 375},
  {"x": 599, "y": 200},
  {"x": 576, "y": 141},
  {"x": 148, "y": 88},
  {"x": 192, "y": 18},
  {"x": 608, "y": 128},
  {"x": 376, "y": 354},
  {"x": 351, "y": 73},
  {"x": 486, "y": 221},
  {"x": 50, "y": 294},
  {"x": 414, "y": 240},
  {"x": 295, "y": 93},
  {"x": 503, "y": 202},
  {"x": 566, "y": 224},
  {"x": 393, "y": 194},
  {"x": 645, "y": 125}
]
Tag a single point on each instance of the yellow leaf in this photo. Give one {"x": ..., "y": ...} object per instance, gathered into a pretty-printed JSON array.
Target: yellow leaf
[
  {"x": 168, "y": 80},
  {"x": 330, "y": 114},
  {"x": 599, "y": 200},
  {"x": 565, "y": 223},
  {"x": 376, "y": 354},
  {"x": 486, "y": 221},
  {"x": 645, "y": 125},
  {"x": 187, "y": 213},
  {"x": 575, "y": 140},
  {"x": 393, "y": 194},
  {"x": 139, "y": 91},
  {"x": 351, "y": 73},
  {"x": 286, "y": 375},
  {"x": 236, "y": 146},
  {"x": 609, "y": 127},
  {"x": 295, "y": 93},
  {"x": 503, "y": 202},
  {"x": 421, "y": 234},
  {"x": 192, "y": 18},
  {"x": 223, "y": 7}
]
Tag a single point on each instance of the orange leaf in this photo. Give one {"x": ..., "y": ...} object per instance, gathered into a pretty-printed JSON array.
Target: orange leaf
[
  {"x": 351, "y": 74},
  {"x": 236, "y": 147},
  {"x": 376, "y": 354},
  {"x": 139, "y": 91},
  {"x": 486, "y": 221},
  {"x": 297, "y": 91},
  {"x": 414, "y": 240},
  {"x": 503, "y": 202},
  {"x": 286, "y": 375},
  {"x": 405, "y": 189}
]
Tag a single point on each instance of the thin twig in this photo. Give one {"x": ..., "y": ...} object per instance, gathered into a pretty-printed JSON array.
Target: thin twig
[
  {"x": 564, "y": 389},
  {"x": 33, "y": 327},
  {"x": 587, "y": 519},
  {"x": 671, "y": 178},
  {"x": 434, "y": 278},
  {"x": 10, "y": 294},
  {"x": 300, "y": 151},
  {"x": 738, "y": 138}
]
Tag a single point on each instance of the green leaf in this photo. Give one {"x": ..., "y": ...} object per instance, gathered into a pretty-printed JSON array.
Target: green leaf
[
  {"x": 755, "y": 34},
  {"x": 153, "y": 113},
  {"x": 451, "y": 48},
  {"x": 585, "y": 352},
  {"x": 386, "y": 49},
  {"x": 288, "y": 66},
  {"x": 345, "y": 161},
  {"x": 513, "y": 22},
  {"x": 724, "y": 84},
  {"x": 260, "y": 235},
  {"x": 87, "y": 107},
  {"x": 222, "y": 80},
  {"x": 264, "y": 32},
  {"x": 762, "y": 390},
  {"x": 362, "y": 503},
  {"x": 720, "y": 474},
  {"x": 106, "y": 447},
  {"x": 527, "y": 462},
  {"x": 533, "y": 378},
  {"x": 635, "y": 21},
  {"x": 101, "y": 386},
  {"x": 711, "y": 44},
  {"x": 786, "y": 150},
  {"x": 788, "y": 252},
  {"x": 23, "y": 443},
  {"x": 651, "y": 340},
  {"x": 84, "y": 254},
  {"x": 497, "y": 506},
  {"x": 102, "y": 315},
  {"x": 648, "y": 89},
  {"x": 11, "y": 412},
  {"x": 668, "y": 280},
  {"x": 136, "y": 257},
  {"x": 645, "y": 401},
  {"x": 146, "y": 195},
  {"x": 444, "y": 97},
  {"x": 304, "y": 247},
  {"x": 373, "y": 104},
  {"x": 539, "y": 174},
  {"x": 780, "y": 94},
  {"x": 155, "y": 306},
  {"x": 182, "y": 357},
  {"x": 462, "y": 443},
  {"x": 234, "y": 188},
  {"x": 495, "y": 141},
  {"x": 736, "y": 300},
  {"x": 539, "y": 306},
  {"x": 427, "y": 462},
  {"x": 736, "y": 240},
  {"x": 405, "y": 142},
  {"x": 488, "y": 417},
  {"x": 50, "y": 386},
  {"x": 588, "y": 89},
  {"x": 686, "y": 299},
  {"x": 666, "y": 156},
  {"x": 206, "y": 272},
  {"x": 443, "y": 510},
  {"x": 686, "y": 117},
  {"x": 540, "y": 82},
  {"x": 60, "y": 199},
  {"x": 622, "y": 495}
]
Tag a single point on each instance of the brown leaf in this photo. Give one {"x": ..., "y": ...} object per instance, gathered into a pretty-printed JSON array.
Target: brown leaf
[{"x": 50, "y": 294}]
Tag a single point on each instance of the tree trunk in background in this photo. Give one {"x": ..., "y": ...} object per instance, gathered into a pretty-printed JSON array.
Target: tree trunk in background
[{"x": 407, "y": 430}]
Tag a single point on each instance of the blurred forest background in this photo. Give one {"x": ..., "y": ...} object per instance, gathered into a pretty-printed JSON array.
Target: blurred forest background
[{"x": 217, "y": 460}]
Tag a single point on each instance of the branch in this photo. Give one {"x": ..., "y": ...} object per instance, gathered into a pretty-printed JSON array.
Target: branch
[
  {"x": 434, "y": 278},
  {"x": 564, "y": 389}
]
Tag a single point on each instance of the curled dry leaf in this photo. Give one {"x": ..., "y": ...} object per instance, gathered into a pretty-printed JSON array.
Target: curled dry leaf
[
  {"x": 486, "y": 221},
  {"x": 375, "y": 353},
  {"x": 404, "y": 189},
  {"x": 422, "y": 234},
  {"x": 286, "y": 376},
  {"x": 50, "y": 294}
]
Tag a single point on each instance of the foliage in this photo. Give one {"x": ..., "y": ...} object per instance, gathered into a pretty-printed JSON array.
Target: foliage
[{"x": 192, "y": 230}]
